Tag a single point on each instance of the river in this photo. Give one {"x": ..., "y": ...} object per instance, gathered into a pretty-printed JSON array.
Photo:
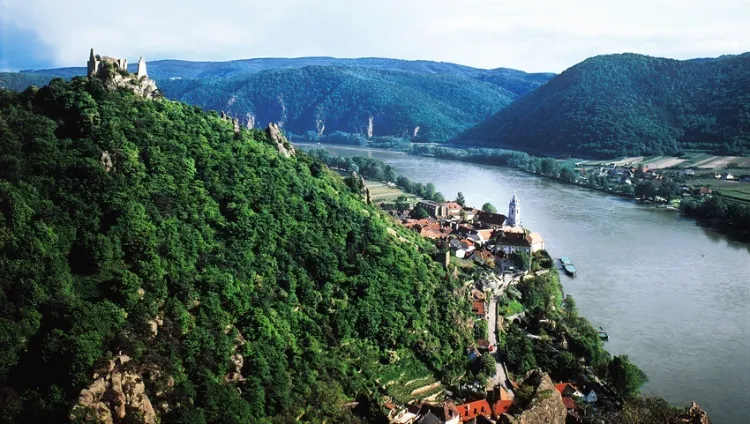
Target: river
[{"x": 673, "y": 296}]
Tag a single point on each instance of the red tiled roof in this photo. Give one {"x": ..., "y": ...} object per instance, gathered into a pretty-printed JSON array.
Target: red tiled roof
[
  {"x": 478, "y": 308},
  {"x": 485, "y": 344},
  {"x": 453, "y": 206},
  {"x": 560, "y": 387},
  {"x": 500, "y": 407},
  {"x": 568, "y": 402},
  {"x": 471, "y": 410}
]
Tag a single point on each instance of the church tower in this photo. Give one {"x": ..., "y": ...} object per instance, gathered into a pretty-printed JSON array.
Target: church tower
[{"x": 514, "y": 212}]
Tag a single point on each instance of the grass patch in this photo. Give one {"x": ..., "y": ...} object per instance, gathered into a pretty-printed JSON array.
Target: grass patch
[
  {"x": 405, "y": 376},
  {"x": 514, "y": 307}
]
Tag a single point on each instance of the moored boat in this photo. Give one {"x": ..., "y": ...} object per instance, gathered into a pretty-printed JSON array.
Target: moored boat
[{"x": 568, "y": 266}]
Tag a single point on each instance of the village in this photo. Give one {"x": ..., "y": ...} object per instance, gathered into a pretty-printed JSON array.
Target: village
[{"x": 503, "y": 250}]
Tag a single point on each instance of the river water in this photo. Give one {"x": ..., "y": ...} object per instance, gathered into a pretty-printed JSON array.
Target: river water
[{"x": 673, "y": 296}]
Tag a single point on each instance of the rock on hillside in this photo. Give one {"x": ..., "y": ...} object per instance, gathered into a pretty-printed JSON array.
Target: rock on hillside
[
  {"x": 695, "y": 415},
  {"x": 544, "y": 404}
]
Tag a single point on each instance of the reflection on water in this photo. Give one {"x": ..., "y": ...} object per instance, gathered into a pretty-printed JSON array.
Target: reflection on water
[{"x": 671, "y": 294}]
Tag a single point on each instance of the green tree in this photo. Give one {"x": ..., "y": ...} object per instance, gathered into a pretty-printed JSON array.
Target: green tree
[
  {"x": 569, "y": 305},
  {"x": 460, "y": 199},
  {"x": 625, "y": 377},
  {"x": 487, "y": 207},
  {"x": 521, "y": 260},
  {"x": 487, "y": 365},
  {"x": 567, "y": 174},
  {"x": 419, "y": 213}
]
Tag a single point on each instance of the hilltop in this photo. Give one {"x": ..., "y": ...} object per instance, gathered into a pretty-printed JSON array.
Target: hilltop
[
  {"x": 428, "y": 101},
  {"x": 157, "y": 263},
  {"x": 629, "y": 104}
]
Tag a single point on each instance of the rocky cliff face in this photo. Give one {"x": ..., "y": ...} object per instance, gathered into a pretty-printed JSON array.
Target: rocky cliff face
[
  {"x": 543, "y": 404},
  {"x": 695, "y": 415},
  {"x": 114, "y": 78},
  {"x": 118, "y": 394},
  {"x": 282, "y": 144}
]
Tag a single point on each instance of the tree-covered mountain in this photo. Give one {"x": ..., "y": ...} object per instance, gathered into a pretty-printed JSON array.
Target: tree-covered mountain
[
  {"x": 148, "y": 248},
  {"x": 629, "y": 104},
  {"x": 305, "y": 94}
]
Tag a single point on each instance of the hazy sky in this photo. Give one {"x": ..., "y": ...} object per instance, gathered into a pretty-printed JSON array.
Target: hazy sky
[{"x": 532, "y": 35}]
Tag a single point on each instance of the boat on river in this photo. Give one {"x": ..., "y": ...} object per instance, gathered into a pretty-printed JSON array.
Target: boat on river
[
  {"x": 603, "y": 336},
  {"x": 568, "y": 266}
]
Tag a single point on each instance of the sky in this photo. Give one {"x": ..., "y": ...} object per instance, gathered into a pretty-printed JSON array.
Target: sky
[{"x": 531, "y": 35}]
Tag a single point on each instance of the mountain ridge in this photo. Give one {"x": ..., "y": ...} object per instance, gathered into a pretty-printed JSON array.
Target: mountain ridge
[
  {"x": 435, "y": 99},
  {"x": 628, "y": 104}
]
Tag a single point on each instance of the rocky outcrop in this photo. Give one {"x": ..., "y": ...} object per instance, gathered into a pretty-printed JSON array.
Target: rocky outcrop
[
  {"x": 277, "y": 138},
  {"x": 118, "y": 393},
  {"x": 370, "y": 127},
  {"x": 114, "y": 74},
  {"x": 695, "y": 415},
  {"x": 235, "y": 375},
  {"x": 320, "y": 126},
  {"x": 544, "y": 404},
  {"x": 106, "y": 159}
]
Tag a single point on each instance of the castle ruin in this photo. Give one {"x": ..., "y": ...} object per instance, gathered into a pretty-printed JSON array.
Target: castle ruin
[
  {"x": 96, "y": 64},
  {"x": 113, "y": 72}
]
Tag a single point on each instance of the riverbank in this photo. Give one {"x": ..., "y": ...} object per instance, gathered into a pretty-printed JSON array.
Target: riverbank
[
  {"x": 551, "y": 336},
  {"x": 649, "y": 310},
  {"x": 660, "y": 187}
]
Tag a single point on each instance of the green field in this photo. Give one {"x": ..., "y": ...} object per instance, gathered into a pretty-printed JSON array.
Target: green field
[
  {"x": 379, "y": 192},
  {"x": 405, "y": 376},
  {"x": 731, "y": 189}
]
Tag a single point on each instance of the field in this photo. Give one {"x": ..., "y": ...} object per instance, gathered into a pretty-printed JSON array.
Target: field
[
  {"x": 379, "y": 192},
  {"x": 408, "y": 380},
  {"x": 731, "y": 189},
  {"x": 689, "y": 160},
  {"x": 706, "y": 161}
]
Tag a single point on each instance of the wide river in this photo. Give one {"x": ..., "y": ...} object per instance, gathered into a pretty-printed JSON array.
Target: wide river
[{"x": 673, "y": 296}]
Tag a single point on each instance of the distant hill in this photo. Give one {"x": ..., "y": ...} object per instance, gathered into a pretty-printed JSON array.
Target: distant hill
[
  {"x": 442, "y": 99},
  {"x": 629, "y": 104}
]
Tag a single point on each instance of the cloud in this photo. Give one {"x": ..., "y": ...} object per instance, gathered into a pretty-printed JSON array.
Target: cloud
[
  {"x": 535, "y": 35},
  {"x": 21, "y": 48}
]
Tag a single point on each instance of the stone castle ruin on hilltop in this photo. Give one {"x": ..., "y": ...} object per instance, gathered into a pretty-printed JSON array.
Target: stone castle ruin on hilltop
[{"x": 114, "y": 74}]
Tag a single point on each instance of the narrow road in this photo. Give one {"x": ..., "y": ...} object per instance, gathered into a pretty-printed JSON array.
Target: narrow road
[{"x": 500, "y": 376}]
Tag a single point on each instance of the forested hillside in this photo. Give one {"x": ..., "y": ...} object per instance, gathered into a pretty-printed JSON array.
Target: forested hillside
[
  {"x": 305, "y": 94},
  {"x": 629, "y": 104},
  {"x": 329, "y": 99},
  {"x": 236, "y": 284}
]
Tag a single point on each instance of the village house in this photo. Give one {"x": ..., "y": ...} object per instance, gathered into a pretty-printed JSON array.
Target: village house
[
  {"x": 453, "y": 208},
  {"x": 536, "y": 241},
  {"x": 484, "y": 257},
  {"x": 477, "y": 308},
  {"x": 511, "y": 243},
  {"x": 705, "y": 191},
  {"x": 480, "y": 237},
  {"x": 461, "y": 248},
  {"x": 469, "y": 213},
  {"x": 435, "y": 210},
  {"x": 490, "y": 220},
  {"x": 445, "y": 413},
  {"x": 471, "y": 410},
  {"x": 402, "y": 415}
]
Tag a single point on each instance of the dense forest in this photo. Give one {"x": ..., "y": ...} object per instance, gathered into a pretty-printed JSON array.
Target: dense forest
[
  {"x": 629, "y": 104},
  {"x": 238, "y": 284},
  {"x": 420, "y": 100}
]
